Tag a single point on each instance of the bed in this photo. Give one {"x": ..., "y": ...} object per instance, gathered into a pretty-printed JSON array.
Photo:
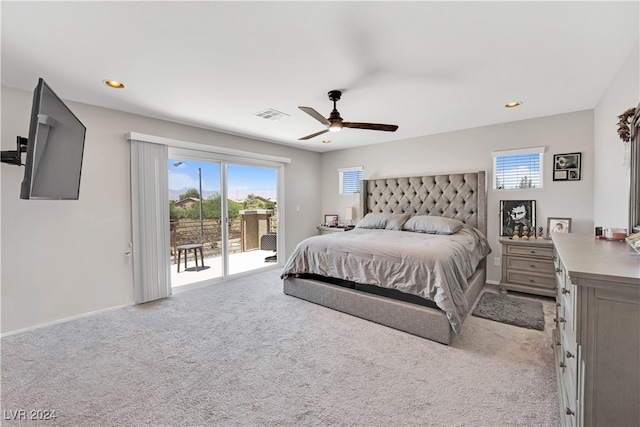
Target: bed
[{"x": 416, "y": 262}]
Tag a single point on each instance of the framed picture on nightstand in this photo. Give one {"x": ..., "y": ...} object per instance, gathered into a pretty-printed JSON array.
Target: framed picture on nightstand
[
  {"x": 515, "y": 215},
  {"x": 330, "y": 220}
]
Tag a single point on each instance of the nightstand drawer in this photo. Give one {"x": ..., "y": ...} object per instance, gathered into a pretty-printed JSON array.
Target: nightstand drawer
[
  {"x": 531, "y": 250},
  {"x": 331, "y": 230},
  {"x": 540, "y": 281},
  {"x": 530, "y": 264}
]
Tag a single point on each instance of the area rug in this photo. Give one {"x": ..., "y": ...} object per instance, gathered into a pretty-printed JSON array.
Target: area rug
[{"x": 513, "y": 311}]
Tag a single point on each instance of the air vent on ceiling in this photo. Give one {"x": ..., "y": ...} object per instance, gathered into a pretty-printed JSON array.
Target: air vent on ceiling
[{"x": 271, "y": 114}]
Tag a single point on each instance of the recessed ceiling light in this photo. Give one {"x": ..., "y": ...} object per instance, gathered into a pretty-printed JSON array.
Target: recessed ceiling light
[
  {"x": 513, "y": 104},
  {"x": 114, "y": 84},
  {"x": 326, "y": 141}
]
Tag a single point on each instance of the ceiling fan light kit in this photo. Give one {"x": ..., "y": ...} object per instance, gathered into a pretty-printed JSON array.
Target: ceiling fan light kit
[{"x": 335, "y": 122}]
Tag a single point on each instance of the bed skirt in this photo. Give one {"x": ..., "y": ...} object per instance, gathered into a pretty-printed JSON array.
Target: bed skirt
[{"x": 425, "y": 322}]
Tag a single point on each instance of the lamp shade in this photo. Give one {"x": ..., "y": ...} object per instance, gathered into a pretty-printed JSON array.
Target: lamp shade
[{"x": 349, "y": 213}]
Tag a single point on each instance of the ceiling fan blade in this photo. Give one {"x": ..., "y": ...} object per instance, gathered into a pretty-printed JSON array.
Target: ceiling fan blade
[
  {"x": 313, "y": 135},
  {"x": 313, "y": 113},
  {"x": 371, "y": 126}
]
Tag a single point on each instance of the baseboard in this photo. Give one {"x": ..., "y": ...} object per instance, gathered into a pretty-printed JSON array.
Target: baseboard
[
  {"x": 493, "y": 282},
  {"x": 66, "y": 319}
]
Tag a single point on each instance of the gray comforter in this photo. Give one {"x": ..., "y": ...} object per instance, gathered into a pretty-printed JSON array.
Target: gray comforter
[{"x": 432, "y": 266}]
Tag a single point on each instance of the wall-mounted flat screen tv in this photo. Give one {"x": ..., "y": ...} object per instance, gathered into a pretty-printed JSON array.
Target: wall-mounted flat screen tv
[{"x": 54, "y": 149}]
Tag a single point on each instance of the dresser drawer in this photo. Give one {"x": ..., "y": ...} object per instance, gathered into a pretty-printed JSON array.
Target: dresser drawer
[
  {"x": 567, "y": 393},
  {"x": 570, "y": 352},
  {"x": 531, "y": 251},
  {"x": 565, "y": 329},
  {"x": 567, "y": 300},
  {"x": 570, "y": 388},
  {"x": 569, "y": 409},
  {"x": 559, "y": 318},
  {"x": 569, "y": 371},
  {"x": 538, "y": 280},
  {"x": 559, "y": 270}
]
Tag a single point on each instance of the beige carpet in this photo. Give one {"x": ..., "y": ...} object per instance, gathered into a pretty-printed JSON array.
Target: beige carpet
[{"x": 241, "y": 353}]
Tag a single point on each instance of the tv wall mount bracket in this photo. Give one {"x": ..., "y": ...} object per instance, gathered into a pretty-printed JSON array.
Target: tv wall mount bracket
[{"x": 14, "y": 157}]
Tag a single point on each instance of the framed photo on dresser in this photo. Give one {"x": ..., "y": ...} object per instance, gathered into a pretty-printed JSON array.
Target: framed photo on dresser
[{"x": 558, "y": 225}]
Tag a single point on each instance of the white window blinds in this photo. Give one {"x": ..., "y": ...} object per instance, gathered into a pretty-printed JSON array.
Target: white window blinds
[
  {"x": 518, "y": 169},
  {"x": 350, "y": 180}
]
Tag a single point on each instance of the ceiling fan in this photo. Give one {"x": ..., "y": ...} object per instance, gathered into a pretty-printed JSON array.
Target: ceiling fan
[{"x": 335, "y": 123}]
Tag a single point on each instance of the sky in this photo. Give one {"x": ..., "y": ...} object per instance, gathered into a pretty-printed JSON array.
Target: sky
[{"x": 242, "y": 180}]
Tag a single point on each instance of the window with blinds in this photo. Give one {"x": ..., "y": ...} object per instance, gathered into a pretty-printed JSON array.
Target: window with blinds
[
  {"x": 349, "y": 180},
  {"x": 518, "y": 169}
]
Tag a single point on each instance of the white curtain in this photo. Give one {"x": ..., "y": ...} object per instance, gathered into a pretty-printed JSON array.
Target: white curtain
[{"x": 150, "y": 222}]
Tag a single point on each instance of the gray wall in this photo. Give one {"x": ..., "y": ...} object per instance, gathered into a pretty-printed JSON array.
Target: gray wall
[
  {"x": 65, "y": 258},
  {"x": 611, "y": 183}
]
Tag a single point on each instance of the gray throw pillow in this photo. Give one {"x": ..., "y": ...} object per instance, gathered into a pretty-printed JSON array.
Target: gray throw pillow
[
  {"x": 373, "y": 220},
  {"x": 432, "y": 224},
  {"x": 396, "y": 221}
]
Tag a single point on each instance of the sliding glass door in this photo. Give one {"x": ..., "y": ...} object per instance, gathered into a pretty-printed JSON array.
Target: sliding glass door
[
  {"x": 252, "y": 216},
  {"x": 223, "y": 217},
  {"x": 196, "y": 221}
]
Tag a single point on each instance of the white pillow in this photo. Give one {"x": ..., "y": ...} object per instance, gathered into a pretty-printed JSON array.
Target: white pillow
[{"x": 432, "y": 224}]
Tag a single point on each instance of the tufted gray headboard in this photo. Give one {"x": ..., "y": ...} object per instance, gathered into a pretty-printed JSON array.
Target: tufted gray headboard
[{"x": 461, "y": 196}]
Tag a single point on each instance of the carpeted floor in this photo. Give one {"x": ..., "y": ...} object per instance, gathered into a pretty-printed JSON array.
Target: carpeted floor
[{"x": 241, "y": 353}]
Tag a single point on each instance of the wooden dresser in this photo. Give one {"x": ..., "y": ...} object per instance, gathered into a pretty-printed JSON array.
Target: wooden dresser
[
  {"x": 597, "y": 334},
  {"x": 527, "y": 266}
]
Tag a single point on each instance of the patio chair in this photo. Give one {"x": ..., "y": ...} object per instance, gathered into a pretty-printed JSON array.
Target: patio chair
[{"x": 269, "y": 242}]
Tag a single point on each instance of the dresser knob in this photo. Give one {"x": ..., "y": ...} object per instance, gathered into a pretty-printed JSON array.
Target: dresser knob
[
  {"x": 558, "y": 270},
  {"x": 569, "y": 412},
  {"x": 564, "y": 291},
  {"x": 532, "y": 265},
  {"x": 562, "y": 365},
  {"x": 569, "y": 355},
  {"x": 533, "y": 252},
  {"x": 532, "y": 280}
]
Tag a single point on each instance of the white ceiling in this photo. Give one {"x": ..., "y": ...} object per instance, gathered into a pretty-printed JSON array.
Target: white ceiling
[{"x": 428, "y": 67}]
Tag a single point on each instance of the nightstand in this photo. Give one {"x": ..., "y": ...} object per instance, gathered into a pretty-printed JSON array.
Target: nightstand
[
  {"x": 527, "y": 266},
  {"x": 331, "y": 230}
]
